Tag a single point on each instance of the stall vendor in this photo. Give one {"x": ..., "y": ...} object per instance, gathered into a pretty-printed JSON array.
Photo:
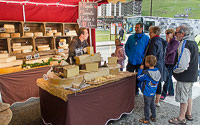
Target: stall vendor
[{"x": 79, "y": 44}]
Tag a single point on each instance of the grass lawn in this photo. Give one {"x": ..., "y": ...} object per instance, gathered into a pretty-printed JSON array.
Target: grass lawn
[{"x": 104, "y": 35}]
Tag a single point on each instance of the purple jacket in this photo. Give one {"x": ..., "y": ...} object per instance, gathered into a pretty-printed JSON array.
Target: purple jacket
[
  {"x": 119, "y": 52},
  {"x": 171, "y": 51}
]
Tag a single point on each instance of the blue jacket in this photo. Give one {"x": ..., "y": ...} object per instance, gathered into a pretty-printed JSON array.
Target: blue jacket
[
  {"x": 148, "y": 81},
  {"x": 135, "y": 48}
]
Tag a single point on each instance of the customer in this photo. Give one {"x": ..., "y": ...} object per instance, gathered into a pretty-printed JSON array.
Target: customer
[
  {"x": 185, "y": 72},
  {"x": 148, "y": 81},
  {"x": 169, "y": 62},
  {"x": 78, "y": 44},
  {"x": 135, "y": 49},
  {"x": 121, "y": 34},
  {"x": 157, "y": 47},
  {"x": 119, "y": 53}
]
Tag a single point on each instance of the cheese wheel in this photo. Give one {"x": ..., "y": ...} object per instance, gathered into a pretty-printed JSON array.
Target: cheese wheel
[{"x": 5, "y": 35}]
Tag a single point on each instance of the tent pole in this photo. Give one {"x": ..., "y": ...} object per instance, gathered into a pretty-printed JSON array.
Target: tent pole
[
  {"x": 90, "y": 36},
  {"x": 24, "y": 13}
]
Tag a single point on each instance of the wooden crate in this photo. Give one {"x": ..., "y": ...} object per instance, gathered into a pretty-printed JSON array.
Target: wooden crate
[
  {"x": 69, "y": 26},
  {"x": 34, "y": 27},
  {"x": 54, "y": 26},
  {"x": 57, "y": 40},
  {"x": 18, "y": 25}
]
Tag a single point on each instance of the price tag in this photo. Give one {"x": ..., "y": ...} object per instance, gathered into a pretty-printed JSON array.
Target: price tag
[
  {"x": 60, "y": 50},
  {"x": 28, "y": 57},
  {"x": 36, "y": 56},
  {"x": 26, "y": 29},
  {"x": 67, "y": 30},
  {"x": 48, "y": 29},
  {"x": 61, "y": 43}
]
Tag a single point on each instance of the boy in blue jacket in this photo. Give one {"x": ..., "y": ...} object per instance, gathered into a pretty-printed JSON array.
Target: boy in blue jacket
[{"x": 148, "y": 82}]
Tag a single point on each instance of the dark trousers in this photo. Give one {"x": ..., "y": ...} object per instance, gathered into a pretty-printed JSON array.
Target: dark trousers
[
  {"x": 199, "y": 65},
  {"x": 132, "y": 68},
  {"x": 121, "y": 37},
  {"x": 149, "y": 104},
  {"x": 168, "y": 86}
]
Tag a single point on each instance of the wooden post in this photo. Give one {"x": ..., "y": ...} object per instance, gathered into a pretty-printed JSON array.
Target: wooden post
[{"x": 90, "y": 36}]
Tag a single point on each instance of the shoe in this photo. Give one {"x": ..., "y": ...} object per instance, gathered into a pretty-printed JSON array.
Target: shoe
[
  {"x": 189, "y": 117},
  {"x": 162, "y": 97},
  {"x": 170, "y": 94},
  {"x": 157, "y": 104},
  {"x": 144, "y": 121},
  {"x": 177, "y": 121},
  {"x": 153, "y": 119}
]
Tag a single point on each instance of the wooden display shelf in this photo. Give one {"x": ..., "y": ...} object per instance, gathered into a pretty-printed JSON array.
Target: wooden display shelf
[
  {"x": 34, "y": 27},
  {"x": 69, "y": 26},
  {"x": 57, "y": 40},
  {"x": 4, "y": 44},
  {"x": 54, "y": 26},
  {"x": 17, "y": 24}
]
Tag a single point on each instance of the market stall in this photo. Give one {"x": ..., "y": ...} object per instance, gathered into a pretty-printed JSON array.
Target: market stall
[{"x": 90, "y": 106}]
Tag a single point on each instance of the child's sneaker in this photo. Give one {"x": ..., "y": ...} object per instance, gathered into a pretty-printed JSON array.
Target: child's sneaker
[{"x": 162, "y": 97}]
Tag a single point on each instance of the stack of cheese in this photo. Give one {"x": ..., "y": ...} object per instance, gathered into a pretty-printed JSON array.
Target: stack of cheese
[
  {"x": 43, "y": 47},
  {"x": 54, "y": 32},
  {"x": 62, "y": 44},
  {"x": 86, "y": 58},
  {"x": 63, "y": 48},
  {"x": 113, "y": 66},
  {"x": 26, "y": 49},
  {"x": 71, "y": 33},
  {"x": 8, "y": 61},
  {"x": 16, "y": 47}
]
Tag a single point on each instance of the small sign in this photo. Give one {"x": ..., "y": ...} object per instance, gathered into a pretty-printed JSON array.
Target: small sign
[
  {"x": 2, "y": 30},
  {"x": 36, "y": 56},
  {"x": 27, "y": 29},
  {"x": 48, "y": 29},
  {"x": 61, "y": 44},
  {"x": 28, "y": 57},
  {"x": 60, "y": 50},
  {"x": 67, "y": 30}
]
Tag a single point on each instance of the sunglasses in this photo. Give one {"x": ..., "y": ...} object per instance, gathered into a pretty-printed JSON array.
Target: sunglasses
[
  {"x": 177, "y": 32},
  {"x": 168, "y": 33}
]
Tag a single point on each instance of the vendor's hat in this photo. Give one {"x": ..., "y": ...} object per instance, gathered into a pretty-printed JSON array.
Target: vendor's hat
[{"x": 5, "y": 113}]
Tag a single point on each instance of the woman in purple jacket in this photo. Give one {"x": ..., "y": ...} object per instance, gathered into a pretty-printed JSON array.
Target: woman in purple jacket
[{"x": 169, "y": 62}]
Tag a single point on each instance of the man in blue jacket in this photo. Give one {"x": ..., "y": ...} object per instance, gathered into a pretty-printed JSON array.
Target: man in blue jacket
[{"x": 135, "y": 49}]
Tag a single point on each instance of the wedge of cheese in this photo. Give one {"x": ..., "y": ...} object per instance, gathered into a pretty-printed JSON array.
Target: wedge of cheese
[
  {"x": 42, "y": 46},
  {"x": 96, "y": 57},
  {"x": 58, "y": 34},
  {"x": 44, "y": 49},
  {"x": 8, "y": 59},
  {"x": 27, "y": 47},
  {"x": 88, "y": 76},
  {"x": 83, "y": 59},
  {"x": 53, "y": 31},
  {"x": 26, "y": 50},
  {"x": 5, "y": 35},
  {"x": 92, "y": 66},
  {"x": 114, "y": 68},
  {"x": 38, "y": 34},
  {"x": 71, "y": 70},
  {"x": 10, "y": 64},
  {"x": 49, "y": 34},
  {"x": 112, "y": 60},
  {"x": 8, "y": 26},
  {"x": 28, "y": 34}
]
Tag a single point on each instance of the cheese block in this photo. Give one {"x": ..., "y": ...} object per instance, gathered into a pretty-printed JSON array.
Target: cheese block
[
  {"x": 42, "y": 46},
  {"x": 53, "y": 31},
  {"x": 8, "y": 59},
  {"x": 49, "y": 34},
  {"x": 17, "y": 51},
  {"x": 28, "y": 34},
  {"x": 90, "y": 50},
  {"x": 44, "y": 49},
  {"x": 96, "y": 57},
  {"x": 114, "y": 68},
  {"x": 88, "y": 76},
  {"x": 9, "y": 30},
  {"x": 13, "y": 35},
  {"x": 10, "y": 69},
  {"x": 16, "y": 47},
  {"x": 16, "y": 44},
  {"x": 5, "y": 35},
  {"x": 70, "y": 71},
  {"x": 62, "y": 40},
  {"x": 2, "y": 52},
  {"x": 56, "y": 81},
  {"x": 10, "y": 64},
  {"x": 26, "y": 50},
  {"x": 112, "y": 60},
  {"x": 58, "y": 34},
  {"x": 82, "y": 59},
  {"x": 3, "y": 55},
  {"x": 53, "y": 63},
  {"x": 37, "y": 34},
  {"x": 45, "y": 59},
  {"x": 92, "y": 66},
  {"x": 27, "y": 47},
  {"x": 8, "y": 26}
]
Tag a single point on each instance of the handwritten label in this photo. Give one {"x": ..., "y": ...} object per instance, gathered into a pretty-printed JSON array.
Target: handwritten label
[
  {"x": 26, "y": 29},
  {"x": 48, "y": 29},
  {"x": 36, "y": 56},
  {"x": 87, "y": 14},
  {"x": 60, "y": 50},
  {"x": 28, "y": 57}
]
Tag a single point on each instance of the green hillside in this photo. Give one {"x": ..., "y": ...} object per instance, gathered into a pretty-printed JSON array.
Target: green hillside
[{"x": 169, "y": 8}]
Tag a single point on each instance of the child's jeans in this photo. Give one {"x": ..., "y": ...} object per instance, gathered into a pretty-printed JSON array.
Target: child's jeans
[{"x": 149, "y": 104}]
